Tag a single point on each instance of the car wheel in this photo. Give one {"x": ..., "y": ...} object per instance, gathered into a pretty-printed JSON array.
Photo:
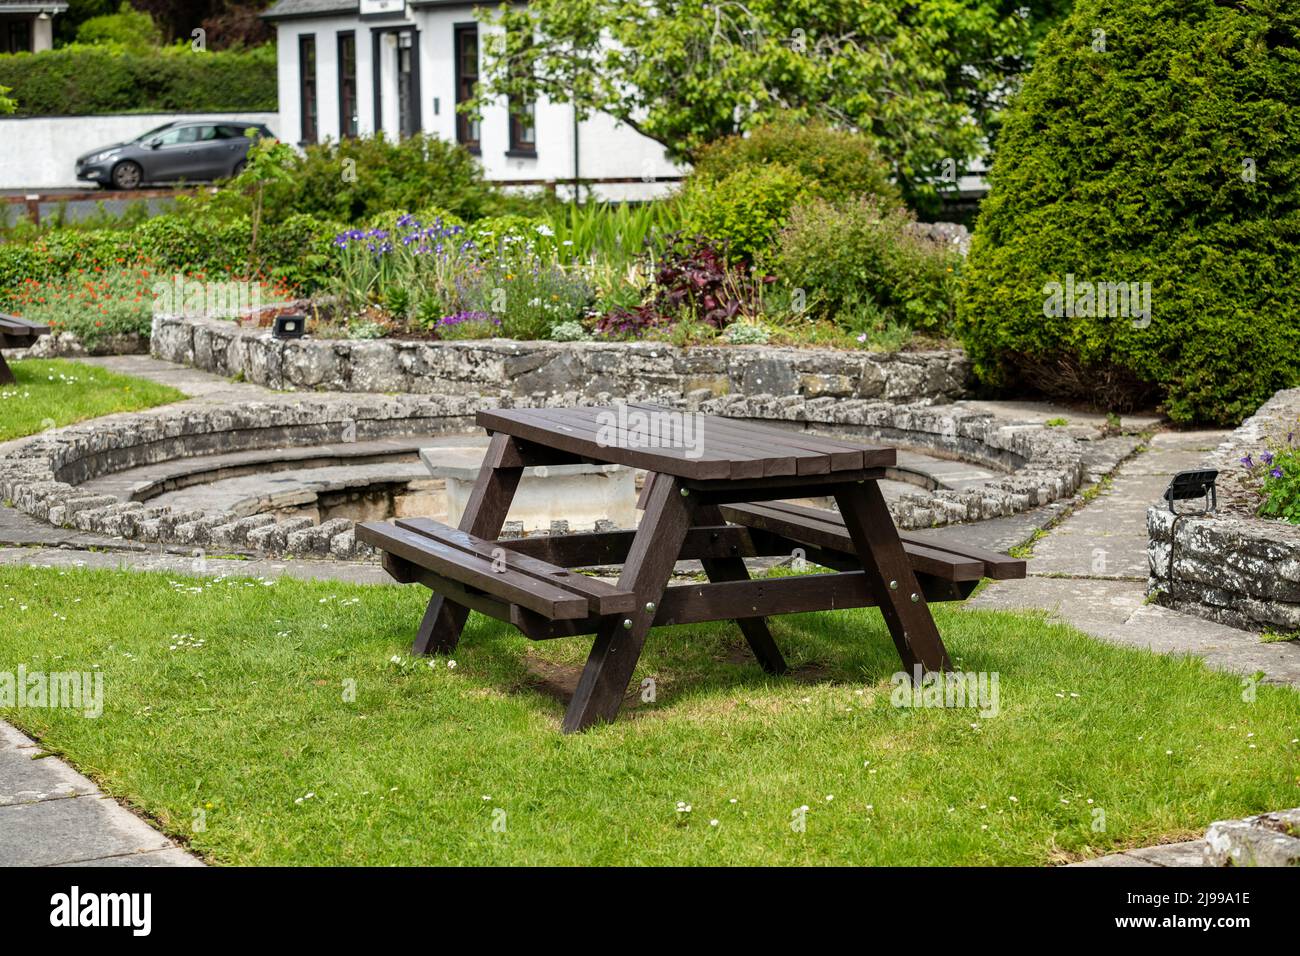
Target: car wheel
[
  {"x": 239, "y": 168},
  {"x": 127, "y": 175}
]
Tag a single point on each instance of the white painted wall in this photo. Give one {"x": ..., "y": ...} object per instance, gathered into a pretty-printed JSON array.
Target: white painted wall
[
  {"x": 606, "y": 148},
  {"x": 40, "y": 152}
]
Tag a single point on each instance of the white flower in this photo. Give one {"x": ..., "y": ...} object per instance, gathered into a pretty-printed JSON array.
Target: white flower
[{"x": 544, "y": 230}]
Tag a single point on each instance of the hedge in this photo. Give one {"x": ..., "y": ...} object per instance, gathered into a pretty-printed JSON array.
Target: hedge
[
  {"x": 82, "y": 80},
  {"x": 1153, "y": 143},
  {"x": 295, "y": 249}
]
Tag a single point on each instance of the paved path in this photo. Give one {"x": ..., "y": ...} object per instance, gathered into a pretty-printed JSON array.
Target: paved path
[{"x": 1091, "y": 570}]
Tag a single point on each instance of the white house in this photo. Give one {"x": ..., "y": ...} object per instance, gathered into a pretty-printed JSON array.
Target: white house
[
  {"x": 356, "y": 67},
  {"x": 27, "y": 26}
]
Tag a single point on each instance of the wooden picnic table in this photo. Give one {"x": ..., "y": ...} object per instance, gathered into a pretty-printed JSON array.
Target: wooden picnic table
[
  {"x": 715, "y": 491},
  {"x": 16, "y": 333}
]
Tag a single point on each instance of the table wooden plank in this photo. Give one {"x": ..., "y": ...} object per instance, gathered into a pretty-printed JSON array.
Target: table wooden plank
[
  {"x": 581, "y": 440},
  {"x": 774, "y": 459},
  {"x": 745, "y": 461}
]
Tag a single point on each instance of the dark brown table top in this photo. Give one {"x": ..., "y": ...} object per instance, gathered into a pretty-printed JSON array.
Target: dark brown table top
[{"x": 684, "y": 444}]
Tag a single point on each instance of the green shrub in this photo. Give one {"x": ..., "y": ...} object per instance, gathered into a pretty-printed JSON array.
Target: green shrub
[
  {"x": 744, "y": 210},
  {"x": 129, "y": 29},
  {"x": 1171, "y": 157},
  {"x": 85, "y": 79},
  {"x": 492, "y": 232},
  {"x": 359, "y": 178},
  {"x": 837, "y": 163},
  {"x": 571, "y": 331},
  {"x": 862, "y": 266}
]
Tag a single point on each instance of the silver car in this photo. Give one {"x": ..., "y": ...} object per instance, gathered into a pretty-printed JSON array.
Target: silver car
[{"x": 193, "y": 151}]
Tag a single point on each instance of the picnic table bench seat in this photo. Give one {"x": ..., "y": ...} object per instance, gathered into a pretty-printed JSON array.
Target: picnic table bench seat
[
  {"x": 491, "y": 571},
  {"x": 16, "y": 333},
  {"x": 824, "y": 530}
]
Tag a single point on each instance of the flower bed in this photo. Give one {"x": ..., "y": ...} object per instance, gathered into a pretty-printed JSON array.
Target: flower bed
[{"x": 1241, "y": 565}]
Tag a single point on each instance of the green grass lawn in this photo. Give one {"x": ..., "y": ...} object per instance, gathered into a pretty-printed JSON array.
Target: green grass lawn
[
  {"x": 54, "y": 392},
  {"x": 228, "y": 696}
]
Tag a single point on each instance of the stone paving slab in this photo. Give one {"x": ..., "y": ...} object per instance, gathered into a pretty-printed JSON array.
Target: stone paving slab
[
  {"x": 50, "y": 815},
  {"x": 1108, "y": 537},
  {"x": 1189, "y": 853},
  {"x": 1118, "y": 612},
  {"x": 1041, "y": 412},
  {"x": 25, "y": 780}
]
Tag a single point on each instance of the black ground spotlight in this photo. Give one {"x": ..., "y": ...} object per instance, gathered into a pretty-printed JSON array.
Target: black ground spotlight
[
  {"x": 1189, "y": 485},
  {"x": 292, "y": 326}
]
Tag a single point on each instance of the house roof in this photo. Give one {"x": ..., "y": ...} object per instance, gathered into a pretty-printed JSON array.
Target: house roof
[
  {"x": 289, "y": 9},
  {"x": 33, "y": 6}
]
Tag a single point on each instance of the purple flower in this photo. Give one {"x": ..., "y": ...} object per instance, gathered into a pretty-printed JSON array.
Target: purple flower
[
  {"x": 1266, "y": 457},
  {"x": 1248, "y": 461},
  {"x": 1276, "y": 472}
]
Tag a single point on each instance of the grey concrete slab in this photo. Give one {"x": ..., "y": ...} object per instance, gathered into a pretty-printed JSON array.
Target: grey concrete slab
[
  {"x": 191, "y": 382},
  {"x": 1104, "y": 455},
  {"x": 172, "y": 856},
  {"x": 999, "y": 534},
  {"x": 1167, "y": 854},
  {"x": 1040, "y": 412},
  {"x": 89, "y": 827},
  {"x": 50, "y": 815},
  {"x": 1224, "y": 648},
  {"x": 18, "y": 529},
  {"x": 1107, "y": 538},
  {"x": 24, "y": 779},
  {"x": 1097, "y": 607},
  {"x": 355, "y": 572}
]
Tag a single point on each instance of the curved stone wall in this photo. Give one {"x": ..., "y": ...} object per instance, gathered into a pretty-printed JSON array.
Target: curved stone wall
[
  {"x": 558, "y": 372},
  {"x": 41, "y": 475}
]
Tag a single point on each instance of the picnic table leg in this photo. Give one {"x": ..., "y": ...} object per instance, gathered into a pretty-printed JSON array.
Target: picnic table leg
[
  {"x": 6, "y": 373},
  {"x": 903, "y": 605},
  {"x": 485, "y": 513},
  {"x": 617, "y": 648},
  {"x": 754, "y": 628}
]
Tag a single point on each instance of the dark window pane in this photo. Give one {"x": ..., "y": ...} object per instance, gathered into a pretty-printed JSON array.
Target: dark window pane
[{"x": 307, "y": 86}]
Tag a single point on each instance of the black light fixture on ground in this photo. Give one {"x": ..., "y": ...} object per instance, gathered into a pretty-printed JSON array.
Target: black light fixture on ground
[
  {"x": 1188, "y": 486},
  {"x": 291, "y": 326}
]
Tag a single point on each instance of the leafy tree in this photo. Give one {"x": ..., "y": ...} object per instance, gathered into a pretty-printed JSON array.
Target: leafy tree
[{"x": 921, "y": 77}]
